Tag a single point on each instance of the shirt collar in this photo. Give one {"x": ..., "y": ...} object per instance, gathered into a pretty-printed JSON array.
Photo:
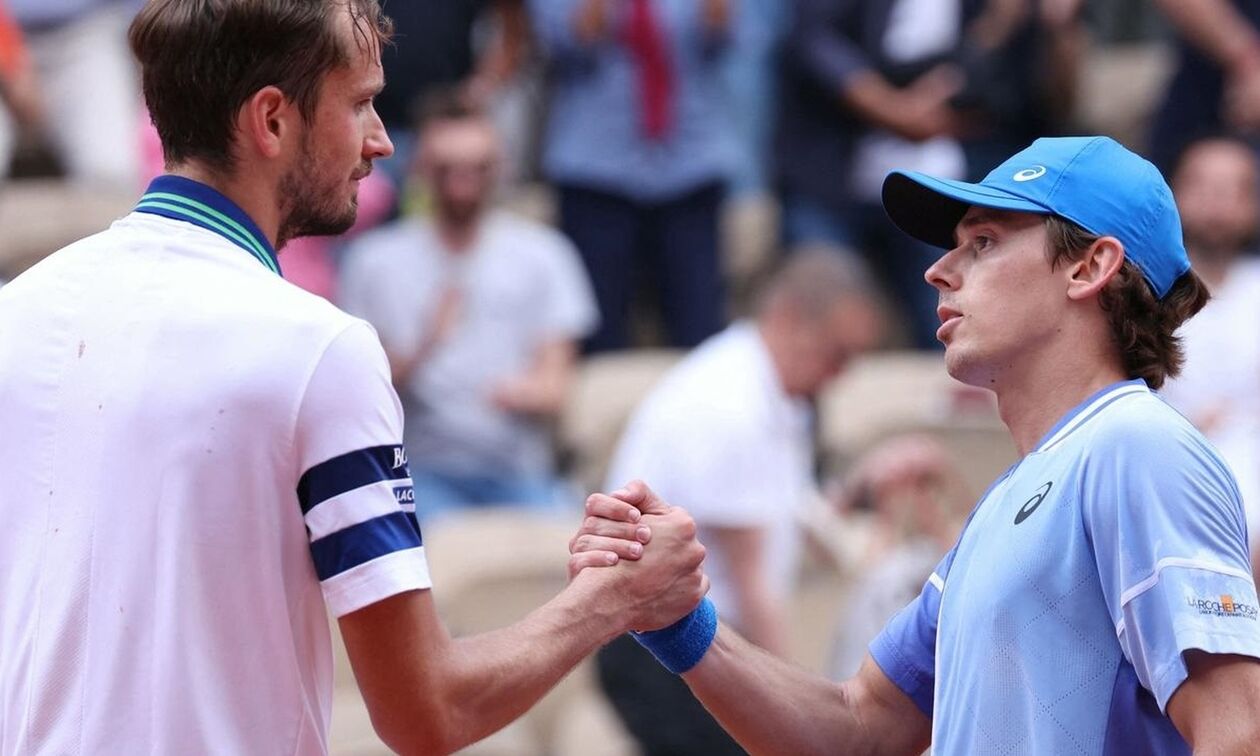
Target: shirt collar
[
  {"x": 193, "y": 202},
  {"x": 1088, "y": 408}
]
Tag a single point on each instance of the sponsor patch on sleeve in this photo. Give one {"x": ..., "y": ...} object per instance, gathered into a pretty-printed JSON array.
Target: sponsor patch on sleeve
[{"x": 1223, "y": 605}]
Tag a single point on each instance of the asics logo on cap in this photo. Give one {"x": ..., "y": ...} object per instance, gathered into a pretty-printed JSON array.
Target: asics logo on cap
[{"x": 1028, "y": 174}]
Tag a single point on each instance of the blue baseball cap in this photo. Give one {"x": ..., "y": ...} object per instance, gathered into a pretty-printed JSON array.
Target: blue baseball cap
[{"x": 1092, "y": 181}]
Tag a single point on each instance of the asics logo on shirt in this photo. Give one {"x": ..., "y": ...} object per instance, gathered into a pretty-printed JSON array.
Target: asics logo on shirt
[{"x": 1031, "y": 505}]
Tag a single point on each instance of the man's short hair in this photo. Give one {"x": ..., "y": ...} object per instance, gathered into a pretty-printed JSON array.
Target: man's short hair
[
  {"x": 1143, "y": 326},
  {"x": 814, "y": 278},
  {"x": 201, "y": 60},
  {"x": 447, "y": 103}
]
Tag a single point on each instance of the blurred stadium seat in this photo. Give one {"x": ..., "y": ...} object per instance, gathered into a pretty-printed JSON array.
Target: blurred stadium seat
[
  {"x": 42, "y": 216},
  {"x": 607, "y": 389},
  {"x": 894, "y": 392}
]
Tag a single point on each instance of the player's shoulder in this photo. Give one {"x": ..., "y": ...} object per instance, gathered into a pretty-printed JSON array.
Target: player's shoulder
[
  {"x": 289, "y": 302},
  {"x": 1139, "y": 419},
  {"x": 1141, "y": 413},
  {"x": 1142, "y": 434}
]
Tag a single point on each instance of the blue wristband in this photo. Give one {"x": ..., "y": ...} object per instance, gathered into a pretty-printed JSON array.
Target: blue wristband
[{"x": 681, "y": 646}]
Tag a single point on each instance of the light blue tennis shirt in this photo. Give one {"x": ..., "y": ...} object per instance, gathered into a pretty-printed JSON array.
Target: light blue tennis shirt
[{"x": 1058, "y": 622}]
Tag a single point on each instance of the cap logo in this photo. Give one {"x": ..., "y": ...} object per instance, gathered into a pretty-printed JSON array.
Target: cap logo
[{"x": 1028, "y": 174}]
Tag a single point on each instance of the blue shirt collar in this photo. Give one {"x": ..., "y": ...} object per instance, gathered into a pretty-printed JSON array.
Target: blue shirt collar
[
  {"x": 1087, "y": 409},
  {"x": 193, "y": 202}
]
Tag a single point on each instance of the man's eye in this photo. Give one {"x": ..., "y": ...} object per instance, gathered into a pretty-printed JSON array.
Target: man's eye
[{"x": 982, "y": 243}]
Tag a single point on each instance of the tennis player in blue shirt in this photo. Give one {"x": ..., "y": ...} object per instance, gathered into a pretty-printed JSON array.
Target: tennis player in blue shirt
[{"x": 1099, "y": 599}]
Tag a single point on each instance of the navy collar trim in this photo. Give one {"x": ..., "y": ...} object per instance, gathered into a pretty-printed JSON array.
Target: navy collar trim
[{"x": 183, "y": 199}]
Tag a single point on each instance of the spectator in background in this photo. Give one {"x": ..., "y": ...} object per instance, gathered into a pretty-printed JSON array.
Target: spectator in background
[
  {"x": 19, "y": 92},
  {"x": 749, "y": 78},
  {"x": 480, "y": 313},
  {"x": 1215, "y": 184},
  {"x": 1216, "y": 85},
  {"x": 914, "y": 497},
  {"x": 638, "y": 146},
  {"x": 728, "y": 432},
  {"x": 433, "y": 50},
  {"x": 88, "y": 85},
  {"x": 866, "y": 88},
  {"x": 1021, "y": 60}
]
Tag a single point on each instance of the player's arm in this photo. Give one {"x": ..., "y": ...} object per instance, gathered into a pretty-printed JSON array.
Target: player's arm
[
  {"x": 773, "y": 707},
  {"x": 428, "y": 693},
  {"x": 1214, "y": 709},
  {"x": 761, "y": 615},
  {"x": 1176, "y": 577}
]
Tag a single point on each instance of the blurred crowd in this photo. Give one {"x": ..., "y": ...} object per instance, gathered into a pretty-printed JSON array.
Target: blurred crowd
[{"x": 582, "y": 180}]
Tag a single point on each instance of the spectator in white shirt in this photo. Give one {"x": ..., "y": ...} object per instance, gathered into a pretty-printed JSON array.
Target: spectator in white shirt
[
  {"x": 727, "y": 433},
  {"x": 480, "y": 312}
]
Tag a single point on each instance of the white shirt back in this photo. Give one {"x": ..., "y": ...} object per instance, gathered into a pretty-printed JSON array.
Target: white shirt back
[{"x": 162, "y": 395}]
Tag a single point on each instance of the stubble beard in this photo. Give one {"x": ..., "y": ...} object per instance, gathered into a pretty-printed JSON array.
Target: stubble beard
[{"x": 311, "y": 206}]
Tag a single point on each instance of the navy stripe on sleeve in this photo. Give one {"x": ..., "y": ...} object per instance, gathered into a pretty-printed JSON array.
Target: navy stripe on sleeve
[
  {"x": 350, "y": 471},
  {"x": 358, "y": 544}
]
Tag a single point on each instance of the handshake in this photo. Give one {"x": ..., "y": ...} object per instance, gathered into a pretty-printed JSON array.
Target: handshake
[{"x": 641, "y": 559}]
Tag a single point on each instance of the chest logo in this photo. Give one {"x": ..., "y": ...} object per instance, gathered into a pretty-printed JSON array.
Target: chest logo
[{"x": 1031, "y": 505}]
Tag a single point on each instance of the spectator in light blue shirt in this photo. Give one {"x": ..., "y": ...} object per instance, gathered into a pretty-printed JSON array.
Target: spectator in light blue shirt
[{"x": 638, "y": 148}]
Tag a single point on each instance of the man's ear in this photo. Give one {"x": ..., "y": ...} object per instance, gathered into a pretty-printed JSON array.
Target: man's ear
[
  {"x": 267, "y": 122},
  {"x": 1100, "y": 263}
]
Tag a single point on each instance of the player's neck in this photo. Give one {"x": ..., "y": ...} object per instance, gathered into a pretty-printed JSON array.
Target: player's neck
[
  {"x": 1031, "y": 401},
  {"x": 253, "y": 197}
]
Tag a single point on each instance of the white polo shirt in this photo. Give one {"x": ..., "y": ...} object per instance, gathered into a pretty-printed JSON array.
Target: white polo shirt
[
  {"x": 198, "y": 460},
  {"x": 719, "y": 436}
]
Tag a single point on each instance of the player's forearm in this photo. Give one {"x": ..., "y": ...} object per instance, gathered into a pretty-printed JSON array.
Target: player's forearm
[
  {"x": 769, "y": 705},
  {"x": 773, "y": 707},
  {"x": 495, "y": 677}
]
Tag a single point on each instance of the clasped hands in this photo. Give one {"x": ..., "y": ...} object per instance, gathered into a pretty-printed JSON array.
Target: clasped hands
[{"x": 644, "y": 554}]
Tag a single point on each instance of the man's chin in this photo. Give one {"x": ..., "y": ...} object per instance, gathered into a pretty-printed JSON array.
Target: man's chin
[
  {"x": 328, "y": 225},
  {"x": 962, "y": 367}
]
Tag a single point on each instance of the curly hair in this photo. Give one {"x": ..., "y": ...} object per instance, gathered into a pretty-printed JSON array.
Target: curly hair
[{"x": 1143, "y": 327}]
